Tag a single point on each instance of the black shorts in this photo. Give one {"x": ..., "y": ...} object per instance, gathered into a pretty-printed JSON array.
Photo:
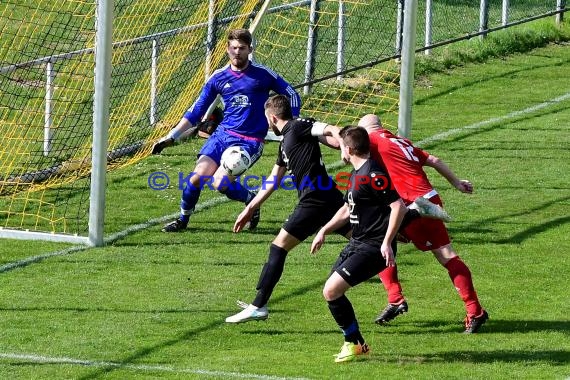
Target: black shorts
[
  {"x": 310, "y": 215},
  {"x": 359, "y": 261}
]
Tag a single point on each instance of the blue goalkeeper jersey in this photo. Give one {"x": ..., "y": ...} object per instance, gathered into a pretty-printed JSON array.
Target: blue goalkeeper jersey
[{"x": 244, "y": 94}]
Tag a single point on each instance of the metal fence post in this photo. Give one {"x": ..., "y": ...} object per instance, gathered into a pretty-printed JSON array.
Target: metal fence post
[
  {"x": 484, "y": 17},
  {"x": 428, "y": 26},
  {"x": 340, "y": 40},
  {"x": 50, "y": 75},
  {"x": 399, "y": 26},
  {"x": 311, "y": 45},
  {"x": 210, "y": 39},
  {"x": 560, "y": 4},
  {"x": 154, "y": 80},
  {"x": 505, "y": 13}
]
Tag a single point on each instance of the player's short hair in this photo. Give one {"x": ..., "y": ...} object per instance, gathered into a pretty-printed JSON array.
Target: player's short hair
[
  {"x": 356, "y": 138},
  {"x": 280, "y": 106},
  {"x": 242, "y": 35}
]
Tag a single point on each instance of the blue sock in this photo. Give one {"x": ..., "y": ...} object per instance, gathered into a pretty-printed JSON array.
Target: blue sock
[
  {"x": 237, "y": 192},
  {"x": 190, "y": 196}
]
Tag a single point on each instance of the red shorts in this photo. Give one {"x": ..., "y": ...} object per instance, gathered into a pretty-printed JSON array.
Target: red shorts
[{"x": 426, "y": 233}]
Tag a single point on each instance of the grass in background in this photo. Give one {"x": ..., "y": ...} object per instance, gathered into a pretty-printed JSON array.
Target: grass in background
[
  {"x": 519, "y": 39},
  {"x": 157, "y": 299}
]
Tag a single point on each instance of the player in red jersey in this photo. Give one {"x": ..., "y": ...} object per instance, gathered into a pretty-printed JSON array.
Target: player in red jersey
[{"x": 404, "y": 163}]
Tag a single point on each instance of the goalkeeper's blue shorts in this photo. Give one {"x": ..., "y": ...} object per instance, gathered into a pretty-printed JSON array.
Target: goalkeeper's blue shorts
[{"x": 222, "y": 139}]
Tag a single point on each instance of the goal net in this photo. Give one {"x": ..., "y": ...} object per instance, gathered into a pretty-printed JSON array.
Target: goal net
[{"x": 338, "y": 54}]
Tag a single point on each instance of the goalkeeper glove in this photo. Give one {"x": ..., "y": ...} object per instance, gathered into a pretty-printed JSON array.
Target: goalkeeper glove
[
  {"x": 164, "y": 142},
  {"x": 208, "y": 126}
]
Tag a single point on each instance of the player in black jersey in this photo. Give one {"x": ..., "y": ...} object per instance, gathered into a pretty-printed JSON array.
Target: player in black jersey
[
  {"x": 319, "y": 198},
  {"x": 375, "y": 211}
]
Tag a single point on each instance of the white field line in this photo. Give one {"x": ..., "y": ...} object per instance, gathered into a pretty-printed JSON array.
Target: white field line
[
  {"x": 110, "y": 239},
  {"x": 139, "y": 367},
  {"x": 219, "y": 200},
  {"x": 512, "y": 115}
]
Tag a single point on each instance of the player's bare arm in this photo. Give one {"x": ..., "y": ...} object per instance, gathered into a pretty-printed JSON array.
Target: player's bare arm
[
  {"x": 337, "y": 221},
  {"x": 441, "y": 167},
  {"x": 398, "y": 210},
  {"x": 265, "y": 192},
  {"x": 331, "y": 137}
]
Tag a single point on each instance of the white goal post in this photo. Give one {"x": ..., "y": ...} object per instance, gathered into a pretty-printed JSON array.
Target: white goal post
[
  {"x": 103, "y": 55},
  {"x": 101, "y": 120},
  {"x": 407, "y": 68}
]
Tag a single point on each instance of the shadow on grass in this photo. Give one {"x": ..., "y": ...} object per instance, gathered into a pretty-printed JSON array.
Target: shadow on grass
[
  {"x": 534, "y": 230},
  {"x": 525, "y": 326},
  {"x": 220, "y": 228},
  {"x": 552, "y": 357},
  {"x": 493, "y": 326},
  {"x": 520, "y": 236},
  {"x": 187, "y": 336},
  {"x": 132, "y": 359},
  {"x": 114, "y": 310}
]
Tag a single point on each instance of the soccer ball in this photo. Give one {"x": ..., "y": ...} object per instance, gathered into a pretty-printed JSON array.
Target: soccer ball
[{"x": 235, "y": 160}]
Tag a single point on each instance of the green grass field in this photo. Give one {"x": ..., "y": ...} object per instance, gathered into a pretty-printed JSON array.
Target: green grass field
[{"x": 151, "y": 305}]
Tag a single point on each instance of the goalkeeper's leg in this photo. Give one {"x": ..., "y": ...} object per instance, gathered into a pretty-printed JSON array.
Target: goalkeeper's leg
[
  {"x": 237, "y": 192},
  {"x": 191, "y": 193},
  {"x": 190, "y": 196},
  {"x": 232, "y": 188}
]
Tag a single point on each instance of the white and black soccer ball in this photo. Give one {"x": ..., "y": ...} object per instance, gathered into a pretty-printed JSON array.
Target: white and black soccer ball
[{"x": 235, "y": 160}]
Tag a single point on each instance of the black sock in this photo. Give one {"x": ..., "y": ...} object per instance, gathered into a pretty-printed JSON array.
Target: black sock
[
  {"x": 343, "y": 313},
  {"x": 270, "y": 275}
]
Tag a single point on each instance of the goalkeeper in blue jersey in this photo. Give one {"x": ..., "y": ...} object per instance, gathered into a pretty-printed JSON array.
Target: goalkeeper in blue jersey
[{"x": 244, "y": 86}]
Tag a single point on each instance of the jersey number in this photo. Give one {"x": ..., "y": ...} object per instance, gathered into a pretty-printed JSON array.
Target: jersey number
[{"x": 406, "y": 148}]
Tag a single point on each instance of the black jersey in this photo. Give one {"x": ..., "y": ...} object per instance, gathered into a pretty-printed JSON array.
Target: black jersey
[
  {"x": 369, "y": 198},
  {"x": 300, "y": 152}
]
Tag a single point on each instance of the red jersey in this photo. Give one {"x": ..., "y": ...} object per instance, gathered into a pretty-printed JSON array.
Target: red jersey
[{"x": 404, "y": 163}]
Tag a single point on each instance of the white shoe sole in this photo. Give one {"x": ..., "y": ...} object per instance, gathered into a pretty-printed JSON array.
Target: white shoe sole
[
  {"x": 242, "y": 316},
  {"x": 247, "y": 319}
]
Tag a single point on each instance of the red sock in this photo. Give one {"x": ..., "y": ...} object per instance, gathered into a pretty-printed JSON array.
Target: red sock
[
  {"x": 461, "y": 278},
  {"x": 389, "y": 278}
]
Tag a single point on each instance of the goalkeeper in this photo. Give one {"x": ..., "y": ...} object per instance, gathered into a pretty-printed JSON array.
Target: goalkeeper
[{"x": 244, "y": 86}]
